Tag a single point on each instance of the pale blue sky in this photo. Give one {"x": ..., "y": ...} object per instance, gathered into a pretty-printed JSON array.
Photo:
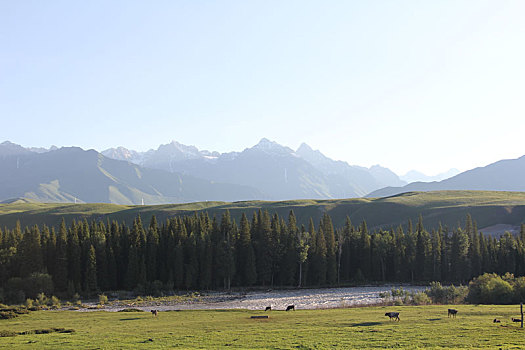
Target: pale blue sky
[{"x": 425, "y": 85}]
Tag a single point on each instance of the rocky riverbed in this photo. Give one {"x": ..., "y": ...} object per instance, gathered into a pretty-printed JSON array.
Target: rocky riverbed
[{"x": 322, "y": 298}]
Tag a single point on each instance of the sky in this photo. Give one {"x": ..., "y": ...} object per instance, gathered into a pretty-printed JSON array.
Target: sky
[{"x": 425, "y": 85}]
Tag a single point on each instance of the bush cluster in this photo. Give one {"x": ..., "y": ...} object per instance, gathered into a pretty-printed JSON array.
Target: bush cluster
[
  {"x": 435, "y": 294},
  {"x": 491, "y": 288},
  {"x": 399, "y": 296},
  {"x": 446, "y": 295}
]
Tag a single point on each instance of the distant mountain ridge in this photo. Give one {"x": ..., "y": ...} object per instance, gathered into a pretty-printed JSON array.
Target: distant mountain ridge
[
  {"x": 504, "y": 175},
  {"x": 276, "y": 170},
  {"x": 416, "y": 176},
  {"x": 70, "y": 174},
  {"x": 176, "y": 173}
]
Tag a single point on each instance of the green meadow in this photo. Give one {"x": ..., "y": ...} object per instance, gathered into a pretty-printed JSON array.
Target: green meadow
[
  {"x": 351, "y": 328},
  {"x": 448, "y": 207}
]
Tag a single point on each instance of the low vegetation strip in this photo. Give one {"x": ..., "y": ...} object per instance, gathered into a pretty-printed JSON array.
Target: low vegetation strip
[
  {"x": 357, "y": 328},
  {"x": 487, "y": 207}
]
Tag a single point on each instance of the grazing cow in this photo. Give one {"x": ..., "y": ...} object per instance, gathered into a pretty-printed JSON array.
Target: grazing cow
[
  {"x": 496, "y": 321},
  {"x": 268, "y": 308},
  {"x": 393, "y": 316},
  {"x": 154, "y": 313},
  {"x": 290, "y": 307},
  {"x": 452, "y": 312},
  {"x": 516, "y": 319}
]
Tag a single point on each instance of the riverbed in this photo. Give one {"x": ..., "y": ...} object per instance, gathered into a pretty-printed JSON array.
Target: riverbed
[{"x": 322, "y": 298}]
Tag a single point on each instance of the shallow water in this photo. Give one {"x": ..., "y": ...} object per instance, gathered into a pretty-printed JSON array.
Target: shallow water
[{"x": 279, "y": 299}]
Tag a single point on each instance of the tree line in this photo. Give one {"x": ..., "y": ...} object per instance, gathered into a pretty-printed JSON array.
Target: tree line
[{"x": 199, "y": 252}]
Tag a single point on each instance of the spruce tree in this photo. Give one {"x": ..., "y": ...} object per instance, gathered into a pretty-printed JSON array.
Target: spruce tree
[
  {"x": 331, "y": 249},
  {"x": 151, "y": 250},
  {"x": 90, "y": 281},
  {"x": 61, "y": 262},
  {"x": 246, "y": 255},
  {"x": 30, "y": 252}
]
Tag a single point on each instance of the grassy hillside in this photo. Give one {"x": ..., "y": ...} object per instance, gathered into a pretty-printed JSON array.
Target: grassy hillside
[
  {"x": 359, "y": 328},
  {"x": 447, "y": 207}
]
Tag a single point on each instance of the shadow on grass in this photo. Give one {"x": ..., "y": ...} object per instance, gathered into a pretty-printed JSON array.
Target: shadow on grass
[
  {"x": 433, "y": 319},
  {"x": 131, "y": 319},
  {"x": 366, "y": 324}
]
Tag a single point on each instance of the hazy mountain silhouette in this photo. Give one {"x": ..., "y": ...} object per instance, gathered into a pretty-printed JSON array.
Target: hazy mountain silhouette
[
  {"x": 276, "y": 170},
  {"x": 70, "y": 174},
  {"x": 504, "y": 175},
  {"x": 416, "y": 176}
]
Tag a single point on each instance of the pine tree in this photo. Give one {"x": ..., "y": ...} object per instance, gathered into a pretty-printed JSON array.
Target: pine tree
[
  {"x": 151, "y": 250},
  {"x": 382, "y": 243},
  {"x": 459, "y": 263},
  {"x": 246, "y": 256},
  {"x": 30, "y": 252},
  {"x": 262, "y": 245},
  {"x": 191, "y": 266},
  {"x": 400, "y": 255},
  {"x": 74, "y": 258},
  {"x": 410, "y": 251},
  {"x": 436, "y": 255},
  {"x": 331, "y": 249},
  {"x": 61, "y": 262},
  {"x": 319, "y": 258},
  {"x": 90, "y": 282},
  {"x": 364, "y": 253}
]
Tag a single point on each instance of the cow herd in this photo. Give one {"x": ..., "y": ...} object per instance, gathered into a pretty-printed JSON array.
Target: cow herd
[{"x": 392, "y": 315}]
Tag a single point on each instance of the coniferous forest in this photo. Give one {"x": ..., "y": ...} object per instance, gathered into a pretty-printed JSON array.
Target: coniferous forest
[{"x": 201, "y": 253}]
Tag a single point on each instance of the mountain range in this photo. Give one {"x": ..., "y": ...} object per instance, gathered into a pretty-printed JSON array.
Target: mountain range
[
  {"x": 416, "y": 176},
  {"x": 504, "y": 175},
  {"x": 277, "y": 171},
  {"x": 71, "y": 174},
  {"x": 176, "y": 173}
]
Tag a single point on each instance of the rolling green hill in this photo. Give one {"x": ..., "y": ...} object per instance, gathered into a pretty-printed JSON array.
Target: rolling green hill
[{"x": 447, "y": 207}]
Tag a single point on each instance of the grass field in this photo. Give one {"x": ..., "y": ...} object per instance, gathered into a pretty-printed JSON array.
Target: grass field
[
  {"x": 448, "y": 207},
  {"x": 355, "y": 328}
]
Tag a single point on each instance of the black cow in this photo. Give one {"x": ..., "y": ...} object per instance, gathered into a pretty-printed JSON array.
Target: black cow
[
  {"x": 516, "y": 319},
  {"x": 496, "y": 320},
  {"x": 393, "y": 316},
  {"x": 290, "y": 307},
  {"x": 452, "y": 312},
  {"x": 268, "y": 308},
  {"x": 154, "y": 313}
]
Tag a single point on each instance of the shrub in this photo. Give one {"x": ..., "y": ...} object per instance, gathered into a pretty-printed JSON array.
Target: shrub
[
  {"x": 55, "y": 302},
  {"x": 29, "y": 286},
  {"x": 491, "y": 288},
  {"x": 436, "y": 293},
  {"x": 102, "y": 299},
  {"x": 446, "y": 295},
  {"x": 519, "y": 289},
  {"x": 29, "y": 303},
  {"x": 420, "y": 298},
  {"x": 41, "y": 299}
]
